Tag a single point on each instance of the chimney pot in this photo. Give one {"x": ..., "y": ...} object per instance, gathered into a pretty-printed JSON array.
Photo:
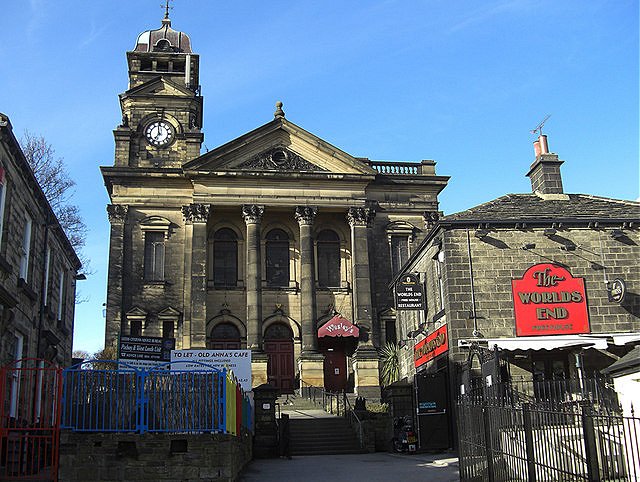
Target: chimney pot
[{"x": 544, "y": 145}]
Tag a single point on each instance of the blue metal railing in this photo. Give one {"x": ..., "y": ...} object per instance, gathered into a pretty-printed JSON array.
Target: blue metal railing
[{"x": 105, "y": 396}]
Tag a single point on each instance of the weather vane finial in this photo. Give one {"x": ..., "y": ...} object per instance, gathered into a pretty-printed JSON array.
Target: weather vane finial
[
  {"x": 538, "y": 129},
  {"x": 166, "y": 9}
]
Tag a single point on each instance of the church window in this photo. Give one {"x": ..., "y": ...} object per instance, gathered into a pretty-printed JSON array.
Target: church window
[
  {"x": 399, "y": 252},
  {"x": 167, "y": 329},
  {"x": 225, "y": 258},
  {"x": 3, "y": 195},
  {"x": 25, "y": 249},
  {"x": 277, "y": 254},
  {"x": 61, "y": 293},
  {"x": 145, "y": 64},
  {"x": 154, "y": 256},
  {"x": 328, "y": 249},
  {"x": 162, "y": 66},
  {"x": 136, "y": 328}
]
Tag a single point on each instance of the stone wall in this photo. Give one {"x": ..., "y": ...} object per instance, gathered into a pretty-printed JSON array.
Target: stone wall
[{"x": 153, "y": 457}]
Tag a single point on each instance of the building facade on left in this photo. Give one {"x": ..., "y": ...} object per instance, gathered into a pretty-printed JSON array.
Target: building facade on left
[{"x": 38, "y": 265}]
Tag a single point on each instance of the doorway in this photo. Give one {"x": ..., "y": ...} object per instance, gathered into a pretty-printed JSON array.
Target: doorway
[
  {"x": 335, "y": 370},
  {"x": 278, "y": 345},
  {"x": 224, "y": 336}
]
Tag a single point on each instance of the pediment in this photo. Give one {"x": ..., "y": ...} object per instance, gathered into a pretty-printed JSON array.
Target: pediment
[
  {"x": 159, "y": 86},
  {"x": 278, "y": 147},
  {"x": 169, "y": 313},
  {"x": 136, "y": 313}
]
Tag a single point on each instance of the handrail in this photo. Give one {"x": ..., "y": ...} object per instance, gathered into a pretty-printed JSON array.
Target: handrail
[
  {"x": 352, "y": 416},
  {"x": 335, "y": 403}
]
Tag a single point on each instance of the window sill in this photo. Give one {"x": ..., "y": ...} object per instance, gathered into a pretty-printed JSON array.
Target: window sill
[
  {"x": 162, "y": 283},
  {"x": 26, "y": 289},
  {"x": 5, "y": 265},
  {"x": 288, "y": 289},
  {"x": 334, "y": 289}
]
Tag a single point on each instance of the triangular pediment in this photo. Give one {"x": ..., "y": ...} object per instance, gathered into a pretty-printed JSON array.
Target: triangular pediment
[
  {"x": 136, "y": 312},
  {"x": 169, "y": 312},
  {"x": 158, "y": 86},
  {"x": 279, "y": 146}
]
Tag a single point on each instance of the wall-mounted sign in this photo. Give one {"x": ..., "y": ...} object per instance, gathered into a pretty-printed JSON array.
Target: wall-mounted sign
[
  {"x": 433, "y": 345},
  {"x": 145, "y": 351},
  {"x": 547, "y": 300},
  {"x": 616, "y": 290},
  {"x": 237, "y": 360},
  {"x": 409, "y": 294}
]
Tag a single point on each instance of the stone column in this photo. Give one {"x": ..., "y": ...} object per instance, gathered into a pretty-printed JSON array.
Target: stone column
[
  {"x": 305, "y": 216},
  {"x": 252, "y": 216},
  {"x": 197, "y": 215},
  {"x": 310, "y": 364},
  {"x": 115, "y": 303},
  {"x": 365, "y": 360}
]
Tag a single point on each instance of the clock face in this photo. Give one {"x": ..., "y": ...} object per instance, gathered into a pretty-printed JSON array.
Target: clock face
[{"x": 159, "y": 133}]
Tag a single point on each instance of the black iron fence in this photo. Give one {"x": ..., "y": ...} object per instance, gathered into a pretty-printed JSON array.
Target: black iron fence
[{"x": 501, "y": 441}]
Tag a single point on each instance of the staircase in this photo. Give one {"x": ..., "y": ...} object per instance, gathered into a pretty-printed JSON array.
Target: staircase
[{"x": 315, "y": 432}]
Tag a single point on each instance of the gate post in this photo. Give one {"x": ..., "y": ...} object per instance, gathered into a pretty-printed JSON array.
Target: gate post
[
  {"x": 528, "y": 441},
  {"x": 590, "y": 444},
  {"x": 488, "y": 441},
  {"x": 141, "y": 402}
]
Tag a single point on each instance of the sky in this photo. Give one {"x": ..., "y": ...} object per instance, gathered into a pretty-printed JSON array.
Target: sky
[{"x": 460, "y": 82}]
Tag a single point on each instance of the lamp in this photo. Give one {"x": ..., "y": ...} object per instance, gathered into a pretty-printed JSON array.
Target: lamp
[
  {"x": 617, "y": 234},
  {"x": 528, "y": 246},
  {"x": 550, "y": 231},
  {"x": 481, "y": 233},
  {"x": 80, "y": 277}
]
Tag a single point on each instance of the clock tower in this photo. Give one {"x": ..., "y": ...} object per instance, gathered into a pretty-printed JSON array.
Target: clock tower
[{"x": 162, "y": 109}]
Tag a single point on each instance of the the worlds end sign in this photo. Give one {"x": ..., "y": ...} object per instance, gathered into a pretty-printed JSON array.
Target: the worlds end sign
[{"x": 547, "y": 300}]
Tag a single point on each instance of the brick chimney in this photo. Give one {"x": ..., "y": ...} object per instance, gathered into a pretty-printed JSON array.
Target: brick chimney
[{"x": 545, "y": 170}]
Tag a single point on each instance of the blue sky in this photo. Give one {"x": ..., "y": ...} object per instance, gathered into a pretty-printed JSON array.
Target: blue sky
[{"x": 459, "y": 82}]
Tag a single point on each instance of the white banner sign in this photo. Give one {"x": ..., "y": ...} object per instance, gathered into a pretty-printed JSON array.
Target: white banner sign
[{"x": 239, "y": 361}]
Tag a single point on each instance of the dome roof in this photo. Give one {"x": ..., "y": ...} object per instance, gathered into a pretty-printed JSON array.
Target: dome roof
[{"x": 164, "y": 39}]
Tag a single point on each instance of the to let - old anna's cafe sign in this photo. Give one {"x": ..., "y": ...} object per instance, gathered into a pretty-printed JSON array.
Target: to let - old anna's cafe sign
[{"x": 547, "y": 300}]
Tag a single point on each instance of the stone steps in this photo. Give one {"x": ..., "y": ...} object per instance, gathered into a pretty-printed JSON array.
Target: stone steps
[{"x": 322, "y": 436}]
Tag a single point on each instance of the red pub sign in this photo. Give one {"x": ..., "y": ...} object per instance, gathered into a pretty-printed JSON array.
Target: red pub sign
[
  {"x": 547, "y": 300},
  {"x": 433, "y": 345}
]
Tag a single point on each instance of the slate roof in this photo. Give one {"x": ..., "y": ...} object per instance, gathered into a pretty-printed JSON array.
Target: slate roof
[
  {"x": 630, "y": 363},
  {"x": 532, "y": 207}
]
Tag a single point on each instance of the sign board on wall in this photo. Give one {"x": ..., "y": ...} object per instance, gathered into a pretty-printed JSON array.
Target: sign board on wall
[
  {"x": 239, "y": 361},
  {"x": 547, "y": 300},
  {"x": 409, "y": 293},
  {"x": 145, "y": 351},
  {"x": 433, "y": 345}
]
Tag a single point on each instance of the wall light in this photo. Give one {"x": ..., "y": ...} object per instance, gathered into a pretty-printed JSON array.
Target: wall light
[
  {"x": 550, "y": 231},
  {"x": 481, "y": 233},
  {"x": 528, "y": 246}
]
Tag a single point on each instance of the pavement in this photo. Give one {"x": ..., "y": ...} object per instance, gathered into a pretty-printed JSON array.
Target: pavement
[{"x": 376, "y": 467}]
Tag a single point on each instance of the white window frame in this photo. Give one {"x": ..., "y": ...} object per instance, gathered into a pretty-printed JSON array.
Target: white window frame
[
  {"x": 15, "y": 376},
  {"x": 26, "y": 249},
  {"x": 61, "y": 294},
  {"x": 3, "y": 196},
  {"x": 47, "y": 267}
]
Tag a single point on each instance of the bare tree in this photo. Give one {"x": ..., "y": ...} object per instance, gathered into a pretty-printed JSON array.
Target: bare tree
[{"x": 51, "y": 173}]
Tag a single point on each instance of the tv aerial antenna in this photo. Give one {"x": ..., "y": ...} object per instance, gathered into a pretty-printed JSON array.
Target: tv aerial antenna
[{"x": 538, "y": 129}]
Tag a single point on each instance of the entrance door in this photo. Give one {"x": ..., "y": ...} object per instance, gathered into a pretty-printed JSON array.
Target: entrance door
[
  {"x": 278, "y": 345},
  {"x": 335, "y": 371},
  {"x": 224, "y": 336}
]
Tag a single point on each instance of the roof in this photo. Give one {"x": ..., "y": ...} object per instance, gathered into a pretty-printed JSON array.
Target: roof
[
  {"x": 163, "y": 39},
  {"x": 630, "y": 363},
  {"x": 531, "y": 207}
]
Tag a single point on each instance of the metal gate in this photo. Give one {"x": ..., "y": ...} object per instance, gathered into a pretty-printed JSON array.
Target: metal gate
[{"x": 30, "y": 391}]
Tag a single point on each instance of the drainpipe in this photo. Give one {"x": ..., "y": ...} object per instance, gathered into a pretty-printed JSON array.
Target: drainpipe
[{"x": 473, "y": 295}]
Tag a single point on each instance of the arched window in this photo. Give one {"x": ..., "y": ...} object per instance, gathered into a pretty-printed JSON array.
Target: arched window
[
  {"x": 225, "y": 258},
  {"x": 277, "y": 251},
  {"x": 328, "y": 250},
  {"x": 224, "y": 336}
]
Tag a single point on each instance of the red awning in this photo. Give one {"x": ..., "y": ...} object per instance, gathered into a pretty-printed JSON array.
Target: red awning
[{"x": 338, "y": 326}]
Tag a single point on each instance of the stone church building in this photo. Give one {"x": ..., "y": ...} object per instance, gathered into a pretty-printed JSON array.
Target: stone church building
[{"x": 276, "y": 241}]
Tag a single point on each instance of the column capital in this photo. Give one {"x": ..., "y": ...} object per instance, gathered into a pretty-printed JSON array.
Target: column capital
[
  {"x": 252, "y": 213},
  {"x": 430, "y": 218},
  {"x": 117, "y": 212},
  {"x": 360, "y": 216},
  {"x": 305, "y": 215},
  {"x": 196, "y": 213}
]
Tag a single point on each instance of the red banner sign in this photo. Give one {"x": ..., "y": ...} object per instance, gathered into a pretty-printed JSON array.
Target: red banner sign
[
  {"x": 338, "y": 326},
  {"x": 433, "y": 345},
  {"x": 547, "y": 300}
]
